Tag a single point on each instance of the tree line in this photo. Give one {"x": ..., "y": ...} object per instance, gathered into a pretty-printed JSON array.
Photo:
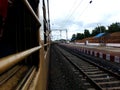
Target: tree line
[{"x": 114, "y": 27}]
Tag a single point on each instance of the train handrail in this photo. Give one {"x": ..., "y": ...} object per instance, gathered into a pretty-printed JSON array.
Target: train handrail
[
  {"x": 40, "y": 79},
  {"x": 32, "y": 11},
  {"x": 9, "y": 61},
  {"x": 46, "y": 44}
]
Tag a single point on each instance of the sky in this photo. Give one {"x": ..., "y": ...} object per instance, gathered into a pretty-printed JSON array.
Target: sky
[{"x": 77, "y": 15}]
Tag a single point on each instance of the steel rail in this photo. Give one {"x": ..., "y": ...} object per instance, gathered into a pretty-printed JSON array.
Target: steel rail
[
  {"x": 32, "y": 11},
  {"x": 80, "y": 70},
  {"x": 86, "y": 58},
  {"x": 102, "y": 68},
  {"x": 9, "y": 61}
]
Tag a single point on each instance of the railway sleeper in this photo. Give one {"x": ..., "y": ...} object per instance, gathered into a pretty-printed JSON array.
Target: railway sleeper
[
  {"x": 96, "y": 72},
  {"x": 98, "y": 75},
  {"x": 111, "y": 86},
  {"x": 109, "y": 82},
  {"x": 104, "y": 79},
  {"x": 93, "y": 68},
  {"x": 90, "y": 70}
]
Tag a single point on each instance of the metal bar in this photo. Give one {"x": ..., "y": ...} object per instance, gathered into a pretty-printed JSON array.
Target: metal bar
[
  {"x": 48, "y": 15},
  {"x": 32, "y": 11},
  {"x": 29, "y": 81},
  {"x": 22, "y": 85},
  {"x": 46, "y": 44},
  {"x": 47, "y": 32},
  {"x": 9, "y": 61}
]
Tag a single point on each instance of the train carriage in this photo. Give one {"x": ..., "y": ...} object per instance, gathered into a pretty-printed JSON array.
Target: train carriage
[{"x": 25, "y": 40}]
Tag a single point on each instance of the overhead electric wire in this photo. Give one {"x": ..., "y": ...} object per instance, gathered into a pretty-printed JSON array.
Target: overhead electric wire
[
  {"x": 83, "y": 10},
  {"x": 71, "y": 9},
  {"x": 74, "y": 8}
]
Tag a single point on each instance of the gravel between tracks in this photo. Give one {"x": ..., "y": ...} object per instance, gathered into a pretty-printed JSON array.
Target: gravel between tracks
[{"x": 61, "y": 76}]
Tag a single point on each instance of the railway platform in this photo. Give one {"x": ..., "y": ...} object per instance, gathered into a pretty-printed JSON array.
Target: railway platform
[{"x": 105, "y": 52}]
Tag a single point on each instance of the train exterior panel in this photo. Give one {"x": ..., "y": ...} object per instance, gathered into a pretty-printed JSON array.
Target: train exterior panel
[{"x": 24, "y": 38}]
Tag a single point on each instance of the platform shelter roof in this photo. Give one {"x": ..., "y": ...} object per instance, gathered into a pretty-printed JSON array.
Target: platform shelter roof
[{"x": 100, "y": 35}]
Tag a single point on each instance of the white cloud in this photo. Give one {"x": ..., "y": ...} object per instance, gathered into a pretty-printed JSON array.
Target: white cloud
[{"x": 77, "y": 15}]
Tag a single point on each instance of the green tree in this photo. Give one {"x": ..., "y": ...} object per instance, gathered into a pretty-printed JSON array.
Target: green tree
[
  {"x": 86, "y": 33},
  {"x": 73, "y": 37},
  {"x": 102, "y": 29},
  {"x": 79, "y": 36},
  {"x": 114, "y": 27},
  {"x": 97, "y": 30}
]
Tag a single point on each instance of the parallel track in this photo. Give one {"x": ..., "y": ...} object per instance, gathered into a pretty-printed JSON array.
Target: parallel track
[{"x": 99, "y": 77}]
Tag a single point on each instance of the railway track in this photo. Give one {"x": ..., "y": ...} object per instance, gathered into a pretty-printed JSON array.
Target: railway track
[{"x": 96, "y": 76}]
